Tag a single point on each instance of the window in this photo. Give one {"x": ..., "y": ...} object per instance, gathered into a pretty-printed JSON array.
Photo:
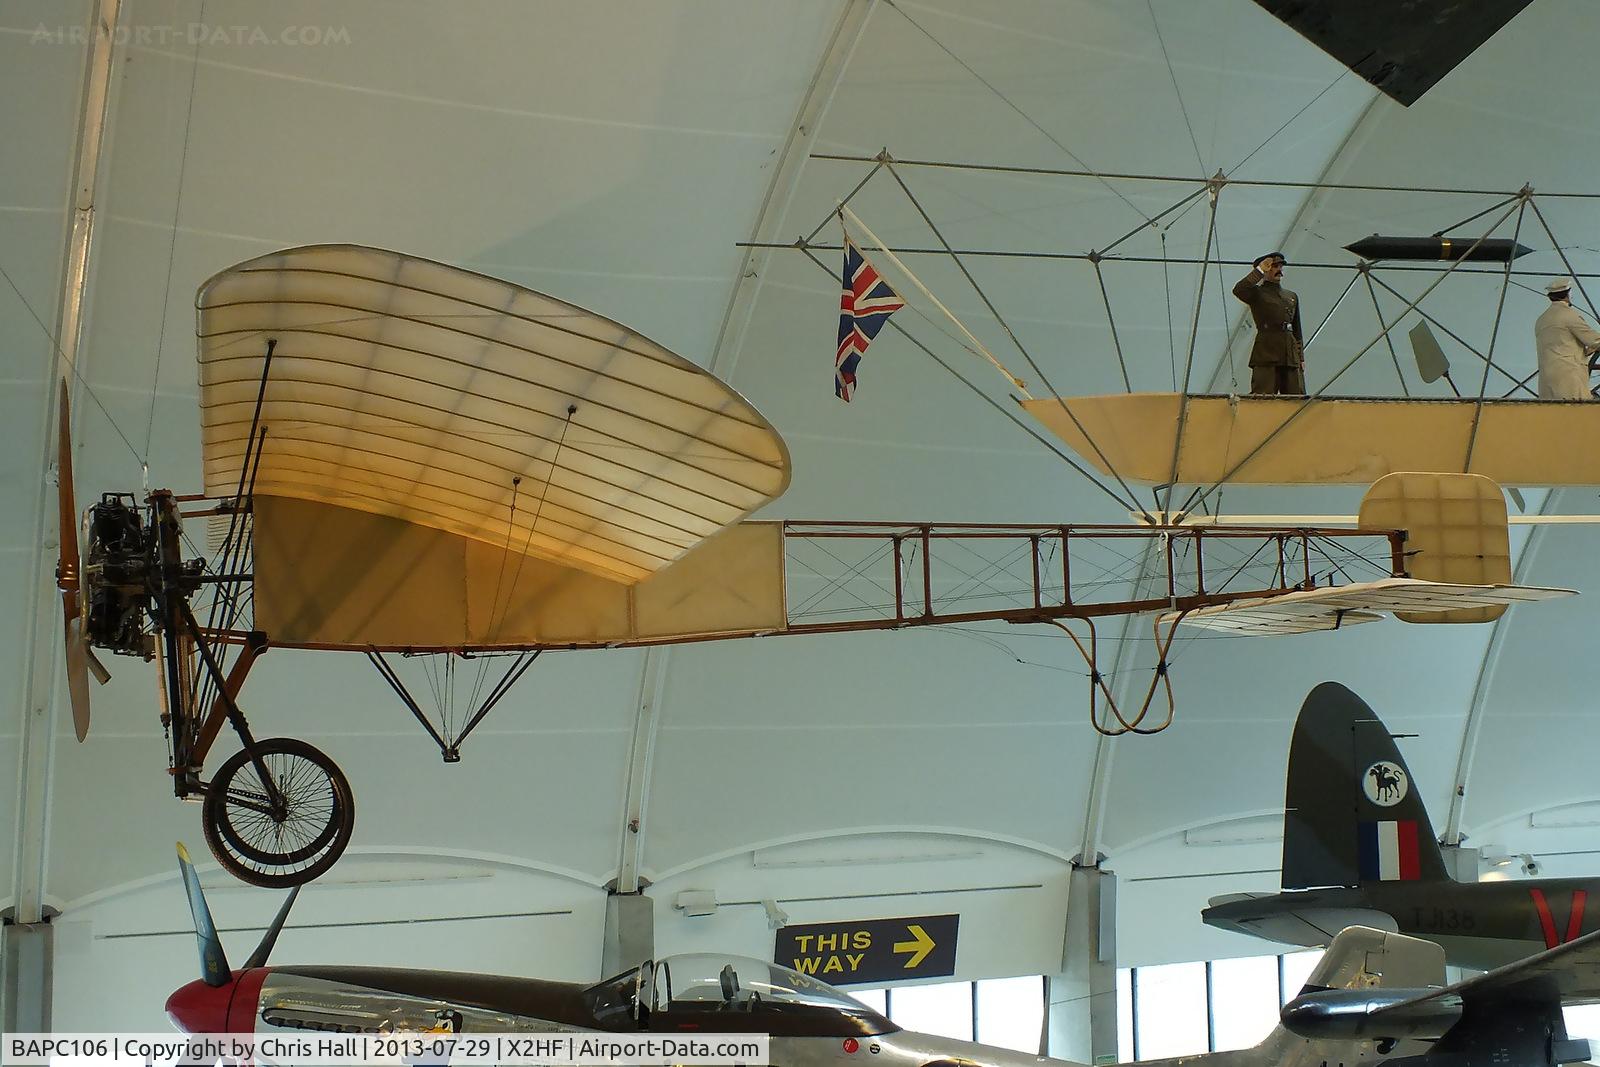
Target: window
[
  {"x": 1171, "y": 1010},
  {"x": 876, "y": 999},
  {"x": 1244, "y": 1001},
  {"x": 1584, "y": 1021},
  {"x": 1171, "y": 1018},
  {"x": 1297, "y": 967},
  {"x": 944, "y": 1009},
  {"x": 1010, "y": 1012},
  {"x": 1126, "y": 1049},
  {"x": 1184, "y": 1008}
]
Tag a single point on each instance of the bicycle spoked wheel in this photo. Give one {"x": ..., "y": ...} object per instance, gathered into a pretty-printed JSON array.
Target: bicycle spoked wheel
[{"x": 286, "y": 845}]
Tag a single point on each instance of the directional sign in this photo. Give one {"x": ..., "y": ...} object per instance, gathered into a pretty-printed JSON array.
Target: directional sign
[{"x": 871, "y": 950}]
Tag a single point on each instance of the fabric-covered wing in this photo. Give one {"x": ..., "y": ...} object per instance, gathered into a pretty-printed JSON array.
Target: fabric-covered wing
[
  {"x": 1332, "y": 607},
  {"x": 408, "y": 388}
]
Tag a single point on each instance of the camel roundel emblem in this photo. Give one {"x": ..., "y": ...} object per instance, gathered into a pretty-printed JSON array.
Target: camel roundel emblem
[{"x": 1385, "y": 784}]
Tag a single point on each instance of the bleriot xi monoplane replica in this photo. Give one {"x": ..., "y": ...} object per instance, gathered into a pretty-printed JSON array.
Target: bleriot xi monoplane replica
[
  {"x": 418, "y": 463},
  {"x": 1372, "y": 995}
]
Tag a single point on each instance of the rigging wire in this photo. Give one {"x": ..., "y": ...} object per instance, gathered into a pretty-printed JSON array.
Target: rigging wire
[
  {"x": 1200, "y": 493},
  {"x": 1194, "y": 333},
  {"x": 1342, "y": 72},
  {"x": 1023, "y": 114},
  {"x": 505, "y": 553},
  {"x": 1029, "y": 430},
  {"x": 533, "y": 524},
  {"x": 851, "y": 195},
  {"x": 838, "y": 583},
  {"x": 1189, "y": 179},
  {"x": 996, "y": 253},
  {"x": 1377, "y": 309},
  {"x": 1494, "y": 333},
  {"x": 1515, "y": 384},
  {"x": 1111, "y": 318},
  {"x": 1172, "y": 338},
  {"x": 1175, "y": 90},
  {"x": 72, "y": 365},
  {"x": 1016, "y": 341}
]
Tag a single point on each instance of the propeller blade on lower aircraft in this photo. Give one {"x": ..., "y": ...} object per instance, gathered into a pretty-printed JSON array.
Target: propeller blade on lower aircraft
[
  {"x": 258, "y": 958},
  {"x": 214, "y": 970}
]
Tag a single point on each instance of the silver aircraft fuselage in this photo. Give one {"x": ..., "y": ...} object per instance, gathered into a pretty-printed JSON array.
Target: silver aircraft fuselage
[{"x": 298, "y": 1000}]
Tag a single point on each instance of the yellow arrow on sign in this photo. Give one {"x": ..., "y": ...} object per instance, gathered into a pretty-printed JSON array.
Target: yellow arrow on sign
[{"x": 919, "y": 947}]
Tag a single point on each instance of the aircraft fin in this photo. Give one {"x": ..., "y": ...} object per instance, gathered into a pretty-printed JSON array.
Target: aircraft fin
[
  {"x": 1358, "y": 958},
  {"x": 1352, "y": 813}
]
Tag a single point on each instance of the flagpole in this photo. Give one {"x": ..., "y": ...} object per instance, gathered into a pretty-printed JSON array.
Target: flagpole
[{"x": 844, "y": 210}]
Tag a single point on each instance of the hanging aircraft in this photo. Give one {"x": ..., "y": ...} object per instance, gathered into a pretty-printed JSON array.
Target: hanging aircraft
[
  {"x": 1358, "y": 848},
  {"x": 1372, "y": 994},
  {"x": 405, "y": 459},
  {"x": 1208, "y": 440}
]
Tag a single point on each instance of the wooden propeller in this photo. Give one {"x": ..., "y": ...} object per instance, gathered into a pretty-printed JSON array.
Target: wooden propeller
[{"x": 69, "y": 571}]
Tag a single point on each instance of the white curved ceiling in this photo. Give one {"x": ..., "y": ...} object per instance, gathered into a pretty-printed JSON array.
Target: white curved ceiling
[{"x": 612, "y": 154}]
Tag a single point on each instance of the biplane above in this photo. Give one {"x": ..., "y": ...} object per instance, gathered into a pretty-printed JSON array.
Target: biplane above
[
  {"x": 405, "y": 458},
  {"x": 1161, "y": 438}
]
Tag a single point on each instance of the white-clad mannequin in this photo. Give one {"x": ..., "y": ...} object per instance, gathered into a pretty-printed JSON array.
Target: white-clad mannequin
[{"x": 1566, "y": 341}]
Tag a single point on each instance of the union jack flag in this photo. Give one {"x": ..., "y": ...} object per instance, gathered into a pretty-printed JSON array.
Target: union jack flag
[{"x": 865, "y": 305}]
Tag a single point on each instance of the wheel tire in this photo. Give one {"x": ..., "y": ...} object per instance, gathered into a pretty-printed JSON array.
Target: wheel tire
[{"x": 250, "y": 845}]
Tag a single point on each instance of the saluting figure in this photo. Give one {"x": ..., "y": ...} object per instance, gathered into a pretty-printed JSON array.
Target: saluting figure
[
  {"x": 1277, "y": 359},
  {"x": 1566, "y": 341}
]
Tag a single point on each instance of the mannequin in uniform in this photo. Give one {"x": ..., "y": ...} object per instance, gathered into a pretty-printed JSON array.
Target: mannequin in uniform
[
  {"x": 1566, "y": 341},
  {"x": 1277, "y": 359}
]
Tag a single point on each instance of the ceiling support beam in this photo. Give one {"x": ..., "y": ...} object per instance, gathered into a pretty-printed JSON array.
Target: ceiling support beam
[
  {"x": 27, "y": 981},
  {"x": 641, "y": 754},
  {"x": 791, "y": 160},
  {"x": 630, "y": 934},
  {"x": 1080, "y": 1021},
  {"x": 1480, "y": 691},
  {"x": 1105, "y": 749},
  {"x": 36, "y": 755}
]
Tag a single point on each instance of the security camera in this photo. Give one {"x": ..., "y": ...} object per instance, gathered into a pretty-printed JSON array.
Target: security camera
[{"x": 1530, "y": 866}]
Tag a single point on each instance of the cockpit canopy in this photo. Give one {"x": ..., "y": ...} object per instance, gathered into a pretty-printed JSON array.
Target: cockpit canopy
[
  {"x": 702, "y": 990},
  {"x": 693, "y": 978}
]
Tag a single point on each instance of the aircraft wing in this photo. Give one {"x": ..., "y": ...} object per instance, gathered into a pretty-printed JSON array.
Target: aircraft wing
[
  {"x": 1333, "y": 607},
  {"x": 1570, "y": 972},
  {"x": 418, "y": 391}
]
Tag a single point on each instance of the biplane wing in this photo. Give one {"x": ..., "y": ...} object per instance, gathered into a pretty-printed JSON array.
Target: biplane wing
[
  {"x": 1334, "y": 607},
  {"x": 1157, "y": 438},
  {"x": 406, "y": 388}
]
